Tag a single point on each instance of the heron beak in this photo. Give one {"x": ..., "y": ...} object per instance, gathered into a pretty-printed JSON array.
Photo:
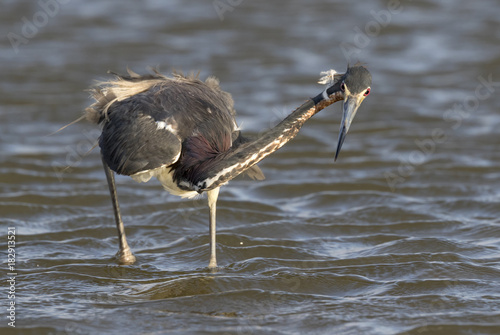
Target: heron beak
[{"x": 351, "y": 104}]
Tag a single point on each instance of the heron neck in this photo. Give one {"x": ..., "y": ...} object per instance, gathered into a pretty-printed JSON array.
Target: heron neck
[{"x": 239, "y": 159}]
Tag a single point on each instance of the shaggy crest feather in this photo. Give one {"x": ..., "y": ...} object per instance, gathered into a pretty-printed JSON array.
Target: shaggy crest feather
[{"x": 329, "y": 77}]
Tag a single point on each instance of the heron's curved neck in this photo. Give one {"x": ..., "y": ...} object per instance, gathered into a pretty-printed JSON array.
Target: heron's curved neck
[{"x": 239, "y": 159}]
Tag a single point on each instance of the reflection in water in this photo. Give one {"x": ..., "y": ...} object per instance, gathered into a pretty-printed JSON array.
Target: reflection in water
[{"x": 400, "y": 236}]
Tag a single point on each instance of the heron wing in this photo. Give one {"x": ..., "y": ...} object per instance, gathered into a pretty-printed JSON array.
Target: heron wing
[
  {"x": 133, "y": 141},
  {"x": 155, "y": 121}
]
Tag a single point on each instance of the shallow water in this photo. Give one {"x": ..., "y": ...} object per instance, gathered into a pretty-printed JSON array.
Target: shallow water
[{"x": 400, "y": 236}]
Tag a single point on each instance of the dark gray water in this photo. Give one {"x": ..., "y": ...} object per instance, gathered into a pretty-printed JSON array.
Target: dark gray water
[{"x": 400, "y": 236}]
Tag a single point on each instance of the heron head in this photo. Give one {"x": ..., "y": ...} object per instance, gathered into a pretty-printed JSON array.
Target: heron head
[{"x": 355, "y": 85}]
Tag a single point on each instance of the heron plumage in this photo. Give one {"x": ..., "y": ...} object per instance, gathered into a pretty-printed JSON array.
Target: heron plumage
[{"x": 154, "y": 123}]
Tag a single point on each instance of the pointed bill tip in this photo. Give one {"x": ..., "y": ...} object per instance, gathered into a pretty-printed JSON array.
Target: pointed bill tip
[{"x": 342, "y": 135}]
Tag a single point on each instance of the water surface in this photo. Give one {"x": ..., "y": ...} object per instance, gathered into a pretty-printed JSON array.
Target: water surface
[{"x": 400, "y": 236}]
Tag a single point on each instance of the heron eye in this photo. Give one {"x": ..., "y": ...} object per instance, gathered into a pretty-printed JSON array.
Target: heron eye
[
  {"x": 367, "y": 92},
  {"x": 342, "y": 87}
]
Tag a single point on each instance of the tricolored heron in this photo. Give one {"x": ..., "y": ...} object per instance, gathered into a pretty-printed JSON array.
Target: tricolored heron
[{"x": 182, "y": 131}]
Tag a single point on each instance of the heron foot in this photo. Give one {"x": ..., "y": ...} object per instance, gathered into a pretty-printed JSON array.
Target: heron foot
[{"x": 125, "y": 257}]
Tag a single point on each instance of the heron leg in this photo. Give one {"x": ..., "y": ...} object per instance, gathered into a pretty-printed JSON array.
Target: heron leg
[
  {"x": 124, "y": 255},
  {"x": 212, "y": 201}
]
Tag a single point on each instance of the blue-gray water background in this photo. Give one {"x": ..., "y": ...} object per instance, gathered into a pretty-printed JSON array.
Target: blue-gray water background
[{"x": 400, "y": 236}]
